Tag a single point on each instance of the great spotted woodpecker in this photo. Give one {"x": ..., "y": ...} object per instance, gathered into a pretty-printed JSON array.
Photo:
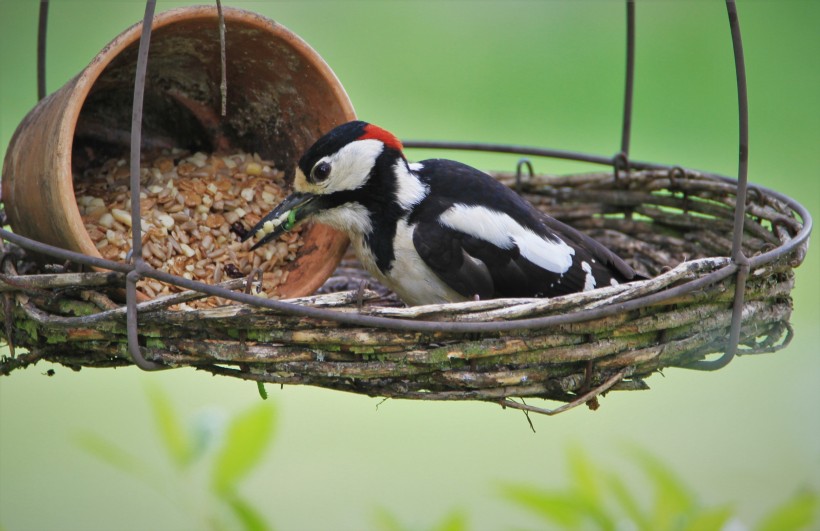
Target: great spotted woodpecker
[{"x": 437, "y": 231}]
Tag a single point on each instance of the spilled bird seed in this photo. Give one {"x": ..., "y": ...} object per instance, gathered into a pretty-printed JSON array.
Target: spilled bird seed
[{"x": 192, "y": 208}]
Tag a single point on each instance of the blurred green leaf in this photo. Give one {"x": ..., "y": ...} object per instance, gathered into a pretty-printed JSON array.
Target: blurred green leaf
[
  {"x": 246, "y": 438},
  {"x": 582, "y": 505},
  {"x": 799, "y": 512},
  {"x": 564, "y": 509},
  {"x": 673, "y": 501},
  {"x": 587, "y": 487},
  {"x": 455, "y": 521},
  {"x": 713, "y": 519},
  {"x": 583, "y": 475},
  {"x": 385, "y": 520},
  {"x": 116, "y": 457},
  {"x": 249, "y": 517},
  {"x": 627, "y": 502},
  {"x": 175, "y": 439}
]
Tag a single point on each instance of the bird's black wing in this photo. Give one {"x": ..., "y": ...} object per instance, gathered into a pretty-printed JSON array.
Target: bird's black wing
[
  {"x": 468, "y": 265},
  {"x": 442, "y": 250},
  {"x": 473, "y": 265},
  {"x": 623, "y": 272}
]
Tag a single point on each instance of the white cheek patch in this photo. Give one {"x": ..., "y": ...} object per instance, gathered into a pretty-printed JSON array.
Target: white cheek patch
[
  {"x": 350, "y": 166},
  {"x": 504, "y": 232}
]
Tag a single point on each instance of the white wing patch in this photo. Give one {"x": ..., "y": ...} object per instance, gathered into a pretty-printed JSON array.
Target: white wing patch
[
  {"x": 503, "y": 231},
  {"x": 589, "y": 280}
]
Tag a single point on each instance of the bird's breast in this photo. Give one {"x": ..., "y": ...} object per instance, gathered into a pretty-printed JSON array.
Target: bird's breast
[{"x": 407, "y": 275}]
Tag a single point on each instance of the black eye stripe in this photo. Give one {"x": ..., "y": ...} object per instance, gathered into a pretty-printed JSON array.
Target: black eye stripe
[{"x": 320, "y": 172}]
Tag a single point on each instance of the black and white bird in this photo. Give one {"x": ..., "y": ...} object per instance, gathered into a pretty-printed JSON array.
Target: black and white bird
[{"x": 437, "y": 231}]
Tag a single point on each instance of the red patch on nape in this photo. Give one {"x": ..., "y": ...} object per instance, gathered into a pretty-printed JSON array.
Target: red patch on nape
[{"x": 386, "y": 137}]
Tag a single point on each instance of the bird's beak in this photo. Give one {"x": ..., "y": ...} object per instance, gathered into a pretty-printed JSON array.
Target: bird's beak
[{"x": 289, "y": 213}]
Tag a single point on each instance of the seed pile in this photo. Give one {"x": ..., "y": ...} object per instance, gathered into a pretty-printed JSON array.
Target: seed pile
[{"x": 194, "y": 209}]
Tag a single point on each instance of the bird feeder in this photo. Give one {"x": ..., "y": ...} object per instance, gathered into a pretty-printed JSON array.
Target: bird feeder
[{"x": 720, "y": 254}]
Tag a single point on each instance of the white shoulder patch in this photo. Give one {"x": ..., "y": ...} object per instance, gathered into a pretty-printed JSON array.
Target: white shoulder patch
[
  {"x": 409, "y": 188},
  {"x": 504, "y": 232}
]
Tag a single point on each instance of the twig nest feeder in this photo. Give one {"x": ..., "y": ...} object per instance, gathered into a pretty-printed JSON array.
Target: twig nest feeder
[
  {"x": 670, "y": 224},
  {"x": 720, "y": 277},
  {"x": 280, "y": 97}
]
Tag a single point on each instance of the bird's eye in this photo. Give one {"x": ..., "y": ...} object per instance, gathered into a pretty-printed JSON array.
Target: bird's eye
[{"x": 320, "y": 172}]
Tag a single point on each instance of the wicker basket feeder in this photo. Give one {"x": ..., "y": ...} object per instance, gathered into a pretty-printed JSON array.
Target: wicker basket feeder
[{"x": 716, "y": 287}]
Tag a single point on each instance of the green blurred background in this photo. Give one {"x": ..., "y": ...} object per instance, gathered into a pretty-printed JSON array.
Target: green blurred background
[{"x": 546, "y": 73}]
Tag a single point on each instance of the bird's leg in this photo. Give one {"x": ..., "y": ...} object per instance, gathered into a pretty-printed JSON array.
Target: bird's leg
[{"x": 360, "y": 294}]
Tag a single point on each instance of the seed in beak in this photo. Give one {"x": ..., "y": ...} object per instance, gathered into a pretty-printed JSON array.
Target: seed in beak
[
  {"x": 291, "y": 220},
  {"x": 288, "y": 218}
]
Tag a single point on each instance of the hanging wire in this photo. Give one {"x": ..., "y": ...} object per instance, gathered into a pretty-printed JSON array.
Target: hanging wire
[
  {"x": 136, "y": 221},
  {"x": 42, "y": 30},
  {"x": 223, "y": 82},
  {"x": 519, "y": 174},
  {"x": 629, "y": 89},
  {"x": 620, "y": 162},
  {"x": 738, "y": 257}
]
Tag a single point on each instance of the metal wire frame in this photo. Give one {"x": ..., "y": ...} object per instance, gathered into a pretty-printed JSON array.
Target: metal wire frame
[
  {"x": 42, "y": 31},
  {"x": 739, "y": 264}
]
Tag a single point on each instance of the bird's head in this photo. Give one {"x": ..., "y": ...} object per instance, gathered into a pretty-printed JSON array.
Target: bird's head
[{"x": 337, "y": 180}]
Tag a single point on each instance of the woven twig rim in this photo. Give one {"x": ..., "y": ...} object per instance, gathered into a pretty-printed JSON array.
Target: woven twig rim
[{"x": 656, "y": 219}]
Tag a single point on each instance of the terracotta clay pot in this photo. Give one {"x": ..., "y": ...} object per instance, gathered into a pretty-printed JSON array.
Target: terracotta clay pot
[{"x": 281, "y": 97}]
